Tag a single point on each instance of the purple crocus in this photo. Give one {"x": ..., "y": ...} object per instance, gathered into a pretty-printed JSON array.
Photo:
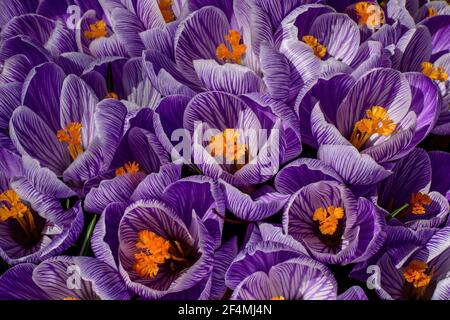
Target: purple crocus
[
  {"x": 227, "y": 137},
  {"x": 332, "y": 224},
  {"x": 274, "y": 267},
  {"x": 74, "y": 138},
  {"x": 33, "y": 224},
  {"x": 415, "y": 193},
  {"x": 165, "y": 238},
  {"x": 361, "y": 126},
  {"x": 63, "y": 278},
  {"x": 423, "y": 276},
  {"x": 120, "y": 28}
]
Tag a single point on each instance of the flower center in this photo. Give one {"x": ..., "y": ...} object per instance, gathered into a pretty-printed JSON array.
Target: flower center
[
  {"x": 165, "y": 6},
  {"x": 72, "y": 135},
  {"x": 237, "y": 49},
  {"x": 319, "y": 50},
  {"x": 155, "y": 251},
  {"x": 432, "y": 12},
  {"x": 416, "y": 274},
  {"x": 278, "y": 298},
  {"x": 418, "y": 203},
  {"x": 96, "y": 30},
  {"x": 128, "y": 168},
  {"x": 226, "y": 144},
  {"x": 71, "y": 299},
  {"x": 369, "y": 14},
  {"x": 112, "y": 95},
  {"x": 434, "y": 73},
  {"x": 328, "y": 219},
  {"x": 377, "y": 121},
  {"x": 14, "y": 208}
]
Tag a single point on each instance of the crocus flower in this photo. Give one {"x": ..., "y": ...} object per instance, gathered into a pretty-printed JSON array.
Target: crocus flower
[
  {"x": 120, "y": 28},
  {"x": 332, "y": 224},
  {"x": 233, "y": 55},
  {"x": 410, "y": 194},
  {"x": 33, "y": 224},
  {"x": 74, "y": 138},
  {"x": 229, "y": 138},
  {"x": 63, "y": 278},
  {"x": 273, "y": 267},
  {"x": 424, "y": 276},
  {"x": 363, "y": 125},
  {"x": 164, "y": 238}
]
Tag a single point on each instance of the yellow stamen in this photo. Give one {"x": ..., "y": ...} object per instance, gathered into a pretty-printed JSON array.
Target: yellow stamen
[
  {"x": 129, "y": 167},
  {"x": 165, "y": 6},
  {"x": 418, "y": 203},
  {"x": 71, "y": 299},
  {"x": 72, "y": 135},
  {"x": 155, "y": 251},
  {"x": 112, "y": 95},
  {"x": 369, "y": 14},
  {"x": 96, "y": 30},
  {"x": 225, "y": 144},
  {"x": 434, "y": 73},
  {"x": 319, "y": 50},
  {"x": 377, "y": 121},
  {"x": 432, "y": 12},
  {"x": 237, "y": 49},
  {"x": 278, "y": 298},
  {"x": 14, "y": 208},
  {"x": 416, "y": 274},
  {"x": 328, "y": 219}
]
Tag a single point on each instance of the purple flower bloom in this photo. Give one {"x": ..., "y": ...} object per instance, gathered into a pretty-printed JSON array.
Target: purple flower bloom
[
  {"x": 423, "y": 276},
  {"x": 63, "y": 278},
  {"x": 364, "y": 124},
  {"x": 274, "y": 267},
  {"x": 65, "y": 127},
  {"x": 213, "y": 120},
  {"x": 33, "y": 224},
  {"x": 181, "y": 216},
  {"x": 332, "y": 224},
  {"x": 412, "y": 184}
]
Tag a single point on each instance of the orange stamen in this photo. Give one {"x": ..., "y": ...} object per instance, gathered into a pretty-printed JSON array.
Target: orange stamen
[
  {"x": 434, "y": 73},
  {"x": 416, "y": 274},
  {"x": 112, "y": 95},
  {"x": 319, "y": 50},
  {"x": 237, "y": 49},
  {"x": 165, "y": 6},
  {"x": 226, "y": 144},
  {"x": 96, "y": 30},
  {"x": 377, "y": 122},
  {"x": 369, "y": 14},
  {"x": 328, "y": 219},
  {"x": 72, "y": 135},
  {"x": 14, "y": 208},
  {"x": 128, "y": 168},
  {"x": 432, "y": 12},
  {"x": 418, "y": 203}
]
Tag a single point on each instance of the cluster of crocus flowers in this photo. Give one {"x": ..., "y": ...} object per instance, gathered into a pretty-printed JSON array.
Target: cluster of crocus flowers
[
  {"x": 377, "y": 121},
  {"x": 237, "y": 51}
]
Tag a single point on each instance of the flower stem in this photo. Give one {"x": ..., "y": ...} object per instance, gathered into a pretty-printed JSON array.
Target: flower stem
[
  {"x": 396, "y": 212},
  {"x": 87, "y": 237}
]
